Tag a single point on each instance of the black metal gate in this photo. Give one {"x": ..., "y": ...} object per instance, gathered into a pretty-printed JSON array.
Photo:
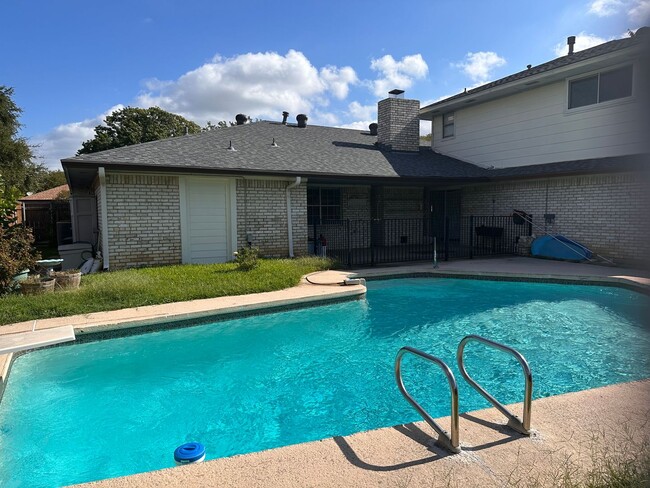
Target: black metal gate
[
  {"x": 43, "y": 220},
  {"x": 381, "y": 241}
]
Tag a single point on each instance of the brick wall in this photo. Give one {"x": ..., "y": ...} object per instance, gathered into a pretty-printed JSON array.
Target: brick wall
[
  {"x": 98, "y": 202},
  {"x": 262, "y": 216},
  {"x": 399, "y": 124},
  {"x": 606, "y": 213},
  {"x": 144, "y": 225}
]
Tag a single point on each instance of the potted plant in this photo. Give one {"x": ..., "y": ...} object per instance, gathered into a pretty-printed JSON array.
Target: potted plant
[
  {"x": 68, "y": 279},
  {"x": 35, "y": 285}
]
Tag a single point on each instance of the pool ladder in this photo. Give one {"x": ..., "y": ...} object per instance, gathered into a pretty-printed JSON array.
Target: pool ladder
[{"x": 451, "y": 441}]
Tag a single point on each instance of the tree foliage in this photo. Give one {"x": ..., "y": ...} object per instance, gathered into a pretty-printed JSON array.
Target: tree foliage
[
  {"x": 16, "y": 158},
  {"x": 16, "y": 241},
  {"x": 47, "y": 179},
  {"x": 132, "y": 125}
]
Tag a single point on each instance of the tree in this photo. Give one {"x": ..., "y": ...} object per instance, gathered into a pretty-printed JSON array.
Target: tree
[
  {"x": 222, "y": 124},
  {"x": 133, "y": 125},
  {"x": 16, "y": 165},
  {"x": 47, "y": 179},
  {"x": 16, "y": 241}
]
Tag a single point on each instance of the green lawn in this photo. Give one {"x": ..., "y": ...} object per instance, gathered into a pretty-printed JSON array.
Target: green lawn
[{"x": 150, "y": 286}]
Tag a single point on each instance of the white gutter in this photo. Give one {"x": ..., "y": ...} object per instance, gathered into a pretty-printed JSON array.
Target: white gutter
[
  {"x": 289, "y": 223},
  {"x": 104, "y": 222}
]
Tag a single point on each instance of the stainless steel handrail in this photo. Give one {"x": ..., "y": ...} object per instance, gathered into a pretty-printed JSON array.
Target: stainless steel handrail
[
  {"x": 451, "y": 443},
  {"x": 513, "y": 421}
]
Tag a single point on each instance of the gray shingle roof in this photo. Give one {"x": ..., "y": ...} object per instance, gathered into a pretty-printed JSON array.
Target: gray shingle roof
[
  {"x": 634, "y": 162},
  {"x": 314, "y": 150},
  {"x": 605, "y": 48}
]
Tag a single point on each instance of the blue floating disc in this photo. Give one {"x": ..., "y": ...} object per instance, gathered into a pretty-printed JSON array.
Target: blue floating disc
[{"x": 189, "y": 453}]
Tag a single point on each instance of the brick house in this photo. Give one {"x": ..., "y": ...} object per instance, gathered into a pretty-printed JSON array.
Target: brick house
[{"x": 564, "y": 141}]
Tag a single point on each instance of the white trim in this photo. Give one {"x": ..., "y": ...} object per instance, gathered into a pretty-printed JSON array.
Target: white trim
[
  {"x": 185, "y": 242},
  {"x": 155, "y": 171},
  {"x": 104, "y": 222}
]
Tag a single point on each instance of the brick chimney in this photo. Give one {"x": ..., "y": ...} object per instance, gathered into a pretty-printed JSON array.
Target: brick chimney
[{"x": 399, "y": 122}]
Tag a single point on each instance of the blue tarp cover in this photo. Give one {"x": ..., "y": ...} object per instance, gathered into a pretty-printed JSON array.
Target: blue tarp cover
[{"x": 559, "y": 247}]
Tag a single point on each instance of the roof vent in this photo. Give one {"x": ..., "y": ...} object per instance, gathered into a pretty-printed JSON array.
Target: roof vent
[
  {"x": 284, "y": 117},
  {"x": 274, "y": 144},
  {"x": 302, "y": 120},
  {"x": 241, "y": 119},
  {"x": 231, "y": 147},
  {"x": 571, "y": 40},
  {"x": 373, "y": 128},
  {"x": 396, "y": 93}
]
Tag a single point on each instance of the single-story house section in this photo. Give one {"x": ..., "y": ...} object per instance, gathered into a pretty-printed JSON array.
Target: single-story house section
[{"x": 378, "y": 195}]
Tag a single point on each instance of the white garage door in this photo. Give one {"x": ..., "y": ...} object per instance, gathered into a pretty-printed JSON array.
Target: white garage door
[{"x": 206, "y": 223}]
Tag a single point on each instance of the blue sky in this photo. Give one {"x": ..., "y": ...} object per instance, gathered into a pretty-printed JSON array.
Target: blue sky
[{"x": 73, "y": 61}]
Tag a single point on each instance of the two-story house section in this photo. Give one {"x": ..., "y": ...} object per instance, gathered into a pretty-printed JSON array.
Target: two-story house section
[
  {"x": 566, "y": 141},
  {"x": 584, "y": 105}
]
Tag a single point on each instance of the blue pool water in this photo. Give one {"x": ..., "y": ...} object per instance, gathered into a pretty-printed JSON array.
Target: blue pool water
[{"x": 121, "y": 406}]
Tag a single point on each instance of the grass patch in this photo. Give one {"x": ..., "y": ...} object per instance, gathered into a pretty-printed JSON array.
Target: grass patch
[{"x": 150, "y": 286}]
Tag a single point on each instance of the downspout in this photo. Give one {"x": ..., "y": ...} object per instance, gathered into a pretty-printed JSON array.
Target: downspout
[
  {"x": 104, "y": 222},
  {"x": 289, "y": 223}
]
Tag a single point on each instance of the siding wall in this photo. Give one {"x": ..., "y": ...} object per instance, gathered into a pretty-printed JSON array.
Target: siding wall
[
  {"x": 262, "y": 215},
  {"x": 607, "y": 213},
  {"x": 535, "y": 127}
]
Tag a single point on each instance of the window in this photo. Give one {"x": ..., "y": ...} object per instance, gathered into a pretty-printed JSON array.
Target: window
[
  {"x": 448, "y": 125},
  {"x": 323, "y": 204},
  {"x": 602, "y": 87}
]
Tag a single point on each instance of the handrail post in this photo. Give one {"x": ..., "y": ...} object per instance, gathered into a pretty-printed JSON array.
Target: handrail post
[
  {"x": 445, "y": 440},
  {"x": 521, "y": 426}
]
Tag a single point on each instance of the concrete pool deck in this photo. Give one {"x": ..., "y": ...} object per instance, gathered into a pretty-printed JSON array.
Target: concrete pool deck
[
  {"x": 572, "y": 431},
  {"x": 286, "y": 466}
]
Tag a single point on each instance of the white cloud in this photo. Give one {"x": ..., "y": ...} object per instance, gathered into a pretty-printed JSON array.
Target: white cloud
[
  {"x": 358, "y": 125},
  {"x": 478, "y": 66},
  {"x": 583, "y": 41},
  {"x": 362, "y": 112},
  {"x": 605, "y": 8},
  {"x": 425, "y": 127},
  {"x": 338, "y": 81},
  {"x": 639, "y": 12},
  {"x": 65, "y": 140},
  {"x": 261, "y": 85},
  {"x": 323, "y": 118},
  {"x": 397, "y": 74}
]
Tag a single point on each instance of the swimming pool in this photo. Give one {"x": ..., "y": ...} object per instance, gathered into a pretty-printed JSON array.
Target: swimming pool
[{"x": 120, "y": 406}]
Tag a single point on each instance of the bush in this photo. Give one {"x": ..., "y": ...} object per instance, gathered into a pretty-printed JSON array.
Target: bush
[
  {"x": 16, "y": 254},
  {"x": 247, "y": 258}
]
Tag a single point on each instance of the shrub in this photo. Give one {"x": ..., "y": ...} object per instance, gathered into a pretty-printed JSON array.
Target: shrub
[
  {"x": 16, "y": 254},
  {"x": 247, "y": 258}
]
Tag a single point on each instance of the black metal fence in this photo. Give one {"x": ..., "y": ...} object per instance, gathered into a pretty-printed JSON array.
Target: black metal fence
[{"x": 381, "y": 241}]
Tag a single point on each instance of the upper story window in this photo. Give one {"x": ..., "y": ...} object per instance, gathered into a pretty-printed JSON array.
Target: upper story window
[
  {"x": 323, "y": 204},
  {"x": 448, "y": 124},
  {"x": 601, "y": 87}
]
